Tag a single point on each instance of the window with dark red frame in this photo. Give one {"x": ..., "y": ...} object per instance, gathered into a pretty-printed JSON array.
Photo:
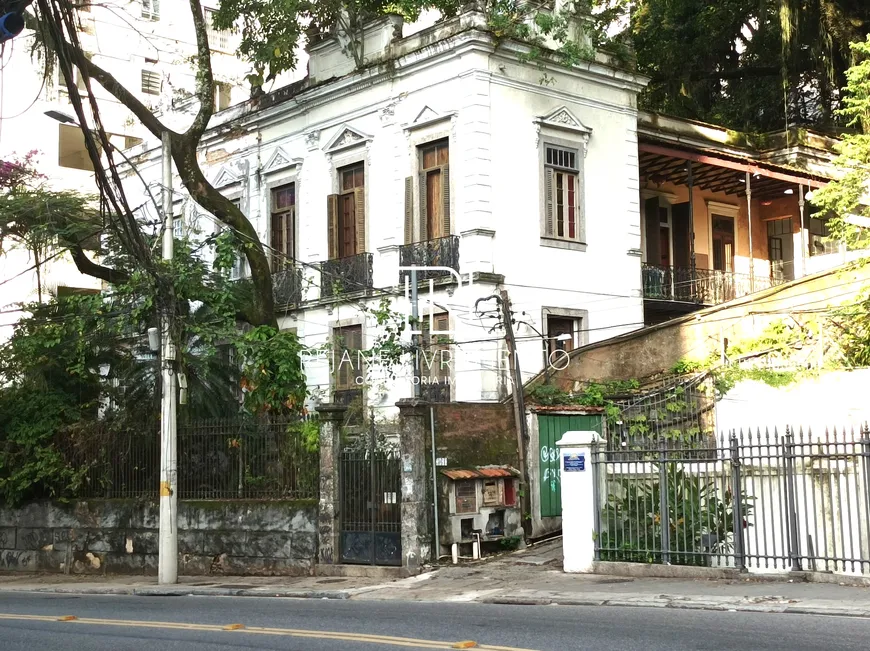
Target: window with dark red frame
[{"x": 562, "y": 190}]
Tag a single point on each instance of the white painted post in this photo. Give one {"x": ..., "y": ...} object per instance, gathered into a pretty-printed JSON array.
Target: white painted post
[{"x": 576, "y": 451}]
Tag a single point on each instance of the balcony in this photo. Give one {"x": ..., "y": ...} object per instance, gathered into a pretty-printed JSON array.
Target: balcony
[
  {"x": 443, "y": 252},
  {"x": 287, "y": 286},
  {"x": 700, "y": 286},
  {"x": 435, "y": 391},
  {"x": 345, "y": 275}
]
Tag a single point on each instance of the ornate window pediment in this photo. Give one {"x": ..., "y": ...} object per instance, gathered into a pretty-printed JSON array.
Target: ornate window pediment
[
  {"x": 426, "y": 117},
  {"x": 563, "y": 119},
  {"x": 225, "y": 176},
  {"x": 280, "y": 160},
  {"x": 345, "y": 138}
]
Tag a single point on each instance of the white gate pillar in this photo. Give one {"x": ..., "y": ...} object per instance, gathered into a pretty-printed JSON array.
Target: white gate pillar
[{"x": 576, "y": 450}]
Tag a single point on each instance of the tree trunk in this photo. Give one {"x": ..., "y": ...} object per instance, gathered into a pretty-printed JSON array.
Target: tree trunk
[{"x": 262, "y": 308}]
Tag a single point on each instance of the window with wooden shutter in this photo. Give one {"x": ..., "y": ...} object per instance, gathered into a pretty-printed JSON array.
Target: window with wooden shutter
[
  {"x": 562, "y": 333},
  {"x": 348, "y": 371},
  {"x": 283, "y": 228},
  {"x": 348, "y": 236},
  {"x": 435, "y": 358},
  {"x": 434, "y": 185},
  {"x": 562, "y": 209},
  {"x": 409, "y": 210},
  {"x": 332, "y": 225}
]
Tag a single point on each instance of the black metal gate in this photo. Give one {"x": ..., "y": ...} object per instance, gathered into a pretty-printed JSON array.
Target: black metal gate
[{"x": 370, "y": 508}]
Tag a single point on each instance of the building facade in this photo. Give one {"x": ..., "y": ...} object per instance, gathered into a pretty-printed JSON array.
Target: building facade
[{"x": 445, "y": 151}]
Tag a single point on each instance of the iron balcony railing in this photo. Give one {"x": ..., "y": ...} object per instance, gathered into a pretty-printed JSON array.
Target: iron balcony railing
[
  {"x": 345, "y": 275},
  {"x": 287, "y": 286},
  {"x": 441, "y": 252},
  {"x": 435, "y": 391},
  {"x": 702, "y": 286}
]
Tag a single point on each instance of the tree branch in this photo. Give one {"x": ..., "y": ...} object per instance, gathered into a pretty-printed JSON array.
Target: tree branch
[
  {"x": 204, "y": 76},
  {"x": 90, "y": 268},
  {"x": 119, "y": 92}
]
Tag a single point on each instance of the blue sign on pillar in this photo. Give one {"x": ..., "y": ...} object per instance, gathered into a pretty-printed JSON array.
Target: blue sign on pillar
[{"x": 575, "y": 462}]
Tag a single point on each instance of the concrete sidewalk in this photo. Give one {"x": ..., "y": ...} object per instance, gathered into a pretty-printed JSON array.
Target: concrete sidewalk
[{"x": 533, "y": 577}]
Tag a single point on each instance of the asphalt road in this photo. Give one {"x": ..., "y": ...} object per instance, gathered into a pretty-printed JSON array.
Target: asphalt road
[{"x": 30, "y": 621}]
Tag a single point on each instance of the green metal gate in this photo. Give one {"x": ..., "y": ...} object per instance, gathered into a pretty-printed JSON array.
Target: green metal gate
[{"x": 551, "y": 427}]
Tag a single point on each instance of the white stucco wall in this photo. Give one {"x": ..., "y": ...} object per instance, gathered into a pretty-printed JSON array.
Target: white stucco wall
[{"x": 833, "y": 399}]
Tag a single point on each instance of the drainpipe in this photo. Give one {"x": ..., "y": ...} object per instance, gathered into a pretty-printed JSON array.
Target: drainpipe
[
  {"x": 749, "y": 217},
  {"x": 803, "y": 235}
]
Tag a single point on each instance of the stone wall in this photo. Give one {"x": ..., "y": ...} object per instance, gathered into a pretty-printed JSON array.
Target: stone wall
[
  {"x": 476, "y": 434},
  {"x": 120, "y": 537}
]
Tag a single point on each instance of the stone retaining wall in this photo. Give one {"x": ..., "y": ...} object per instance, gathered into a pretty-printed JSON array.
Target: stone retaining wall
[{"x": 120, "y": 537}]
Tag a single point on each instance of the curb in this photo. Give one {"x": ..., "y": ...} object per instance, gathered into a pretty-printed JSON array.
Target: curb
[
  {"x": 628, "y": 601},
  {"x": 191, "y": 592}
]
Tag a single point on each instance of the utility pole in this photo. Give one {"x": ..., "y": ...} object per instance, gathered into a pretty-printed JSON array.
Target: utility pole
[
  {"x": 519, "y": 408},
  {"x": 167, "y": 567}
]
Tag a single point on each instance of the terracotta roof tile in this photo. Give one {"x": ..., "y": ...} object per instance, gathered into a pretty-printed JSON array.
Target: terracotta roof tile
[{"x": 480, "y": 471}]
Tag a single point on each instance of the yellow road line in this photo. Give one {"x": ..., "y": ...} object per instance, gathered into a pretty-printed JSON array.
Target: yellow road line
[{"x": 241, "y": 628}]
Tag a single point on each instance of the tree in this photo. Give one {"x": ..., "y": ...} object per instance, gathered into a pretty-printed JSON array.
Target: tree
[
  {"x": 754, "y": 65},
  {"x": 847, "y": 199},
  {"x": 272, "y": 31}
]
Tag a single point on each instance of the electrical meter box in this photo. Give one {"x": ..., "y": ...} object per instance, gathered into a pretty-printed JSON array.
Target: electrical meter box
[{"x": 482, "y": 505}]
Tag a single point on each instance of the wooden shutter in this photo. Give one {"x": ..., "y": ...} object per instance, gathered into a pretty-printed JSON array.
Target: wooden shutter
[
  {"x": 549, "y": 208},
  {"x": 682, "y": 233},
  {"x": 409, "y": 210},
  {"x": 651, "y": 222},
  {"x": 359, "y": 200},
  {"x": 445, "y": 201},
  {"x": 276, "y": 243},
  {"x": 332, "y": 225},
  {"x": 423, "y": 224}
]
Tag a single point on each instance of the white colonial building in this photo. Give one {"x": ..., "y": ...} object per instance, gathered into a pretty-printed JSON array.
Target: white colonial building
[{"x": 444, "y": 150}]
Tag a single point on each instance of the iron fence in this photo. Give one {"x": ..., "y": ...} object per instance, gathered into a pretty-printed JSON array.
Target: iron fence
[
  {"x": 217, "y": 459},
  {"x": 755, "y": 501},
  {"x": 702, "y": 286},
  {"x": 344, "y": 275},
  {"x": 440, "y": 252}
]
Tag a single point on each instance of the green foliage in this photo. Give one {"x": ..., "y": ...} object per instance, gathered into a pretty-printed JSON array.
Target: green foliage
[
  {"x": 593, "y": 395},
  {"x": 272, "y": 377},
  {"x": 271, "y": 32},
  {"x": 697, "y": 519},
  {"x": 750, "y": 65},
  {"x": 31, "y": 462},
  {"x": 510, "y": 543},
  {"x": 845, "y": 198},
  {"x": 572, "y": 34}
]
